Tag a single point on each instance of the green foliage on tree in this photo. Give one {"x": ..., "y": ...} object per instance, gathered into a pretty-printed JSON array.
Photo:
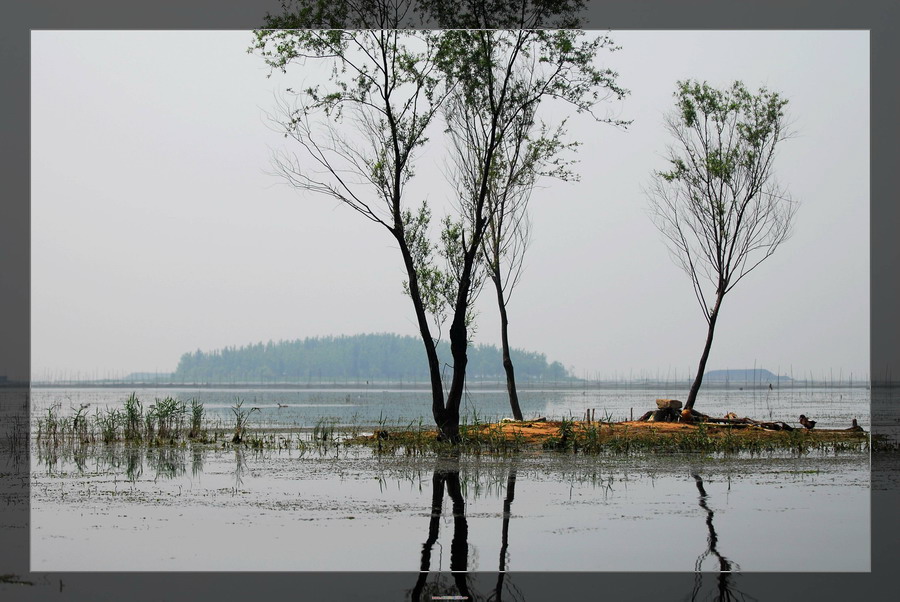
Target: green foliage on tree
[
  {"x": 500, "y": 151},
  {"x": 719, "y": 206},
  {"x": 359, "y": 132}
]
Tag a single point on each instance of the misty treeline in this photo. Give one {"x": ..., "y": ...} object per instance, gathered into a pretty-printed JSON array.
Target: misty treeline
[{"x": 358, "y": 358}]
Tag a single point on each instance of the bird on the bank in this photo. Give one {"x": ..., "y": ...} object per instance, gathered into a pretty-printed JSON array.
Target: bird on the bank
[
  {"x": 807, "y": 423},
  {"x": 855, "y": 426}
]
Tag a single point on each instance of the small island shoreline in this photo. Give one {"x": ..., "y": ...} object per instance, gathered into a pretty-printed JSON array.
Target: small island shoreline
[{"x": 626, "y": 436}]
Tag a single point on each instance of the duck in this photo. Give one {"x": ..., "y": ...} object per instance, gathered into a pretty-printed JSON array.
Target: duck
[
  {"x": 855, "y": 426},
  {"x": 807, "y": 423}
]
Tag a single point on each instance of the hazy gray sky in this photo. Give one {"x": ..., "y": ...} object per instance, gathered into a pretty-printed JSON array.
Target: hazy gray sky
[{"x": 157, "y": 228}]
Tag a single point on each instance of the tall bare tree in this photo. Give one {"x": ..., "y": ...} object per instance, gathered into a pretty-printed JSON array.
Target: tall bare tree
[
  {"x": 525, "y": 153},
  {"x": 359, "y": 132},
  {"x": 363, "y": 128},
  {"x": 719, "y": 206},
  {"x": 499, "y": 149}
]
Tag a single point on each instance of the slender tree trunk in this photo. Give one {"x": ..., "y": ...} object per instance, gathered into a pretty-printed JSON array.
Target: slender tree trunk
[
  {"x": 507, "y": 361},
  {"x": 695, "y": 387},
  {"x": 444, "y": 424},
  {"x": 459, "y": 340},
  {"x": 458, "y": 344}
]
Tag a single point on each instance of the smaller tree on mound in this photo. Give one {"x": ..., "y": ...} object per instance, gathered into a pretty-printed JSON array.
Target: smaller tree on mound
[{"x": 719, "y": 207}]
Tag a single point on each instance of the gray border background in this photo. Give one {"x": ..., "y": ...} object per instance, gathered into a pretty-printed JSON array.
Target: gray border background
[{"x": 879, "y": 17}]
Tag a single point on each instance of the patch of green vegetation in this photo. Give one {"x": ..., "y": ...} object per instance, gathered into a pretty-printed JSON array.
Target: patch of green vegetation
[
  {"x": 163, "y": 423},
  {"x": 565, "y": 439},
  {"x": 169, "y": 423},
  {"x": 241, "y": 419},
  {"x": 608, "y": 439}
]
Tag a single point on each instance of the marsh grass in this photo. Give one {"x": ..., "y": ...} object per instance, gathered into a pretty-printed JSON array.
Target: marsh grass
[
  {"x": 79, "y": 425},
  {"x": 598, "y": 438},
  {"x": 168, "y": 422},
  {"x": 162, "y": 423},
  {"x": 727, "y": 441},
  {"x": 108, "y": 423},
  {"x": 168, "y": 416},
  {"x": 196, "y": 419},
  {"x": 565, "y": 439},
  {"x": 416, "y": 439},
  {"x": 133, "y": 418},
  {"x": 324, "y": 432},
  {"x": 48, "y": 426},
  {"x": 16, "y": 437},
  {"x": 241, "y": 419}
]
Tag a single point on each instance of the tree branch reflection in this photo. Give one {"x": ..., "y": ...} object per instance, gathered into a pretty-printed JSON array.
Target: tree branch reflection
[
  {"x": 726, "y": 590},
  {"x": 447, "y": 478},
  {"x": 504, "y": 538},
  {"x": 446, "y": 475}
]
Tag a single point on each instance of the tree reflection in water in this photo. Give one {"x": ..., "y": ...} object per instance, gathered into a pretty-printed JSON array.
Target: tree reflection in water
[
  {"x": 725, "y": 587},
  {"x": 504, "y": 541},
  {"x": 446, "y": 476},
  {"x": 240, "y": 465}
]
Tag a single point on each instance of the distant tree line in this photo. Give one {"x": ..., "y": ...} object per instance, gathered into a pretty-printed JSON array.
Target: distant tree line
[{"x": 377, "y": 357}]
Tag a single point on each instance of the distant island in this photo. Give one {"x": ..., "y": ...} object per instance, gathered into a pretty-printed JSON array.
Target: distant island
[
  {"x": 356, "y": 358},
  {"x": 749, "y": 376}
]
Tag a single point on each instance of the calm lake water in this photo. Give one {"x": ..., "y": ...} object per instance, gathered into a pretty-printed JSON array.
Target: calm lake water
[
  {"x": 122, "y": 508},
  {"x": 831, "y": 407}
]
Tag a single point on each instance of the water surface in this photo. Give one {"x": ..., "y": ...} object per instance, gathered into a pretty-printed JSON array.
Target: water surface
[
  {"x": 831, "y": 407},
  {"x": 118, "y": 508}
]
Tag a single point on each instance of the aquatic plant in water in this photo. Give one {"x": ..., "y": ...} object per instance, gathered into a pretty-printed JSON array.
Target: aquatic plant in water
[
  {"x": 241, "y": 419},
  {"x": 196, "y": 418},
  {"x": 134, "y": 418}
]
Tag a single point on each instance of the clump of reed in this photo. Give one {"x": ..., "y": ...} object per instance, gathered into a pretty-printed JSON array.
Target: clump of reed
[
  {"x": 108, "y": 422},
  {"x": 241, "y": 419},
  {"x": 196, "y": 419},
  {"x": 16, "y": 436},
  {"x": 134, "y": 418},
  {"x": 167, "y": 415},
  {"x": 565, "y": 438},
  {"x": 48, "y": 427},
  {"x": 324, "y": 432},
  {"x": 163, "y": 422}
]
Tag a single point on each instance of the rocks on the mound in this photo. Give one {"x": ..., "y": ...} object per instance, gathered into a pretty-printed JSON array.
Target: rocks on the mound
[
  {"x": 664, "y": 404},
  {"x": 668, "y": 410}
]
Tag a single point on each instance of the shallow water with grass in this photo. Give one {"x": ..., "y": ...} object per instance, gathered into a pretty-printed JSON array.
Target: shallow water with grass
[
  {"x": 831, "y": 407},
  {"x": 161, "y": 485}
]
